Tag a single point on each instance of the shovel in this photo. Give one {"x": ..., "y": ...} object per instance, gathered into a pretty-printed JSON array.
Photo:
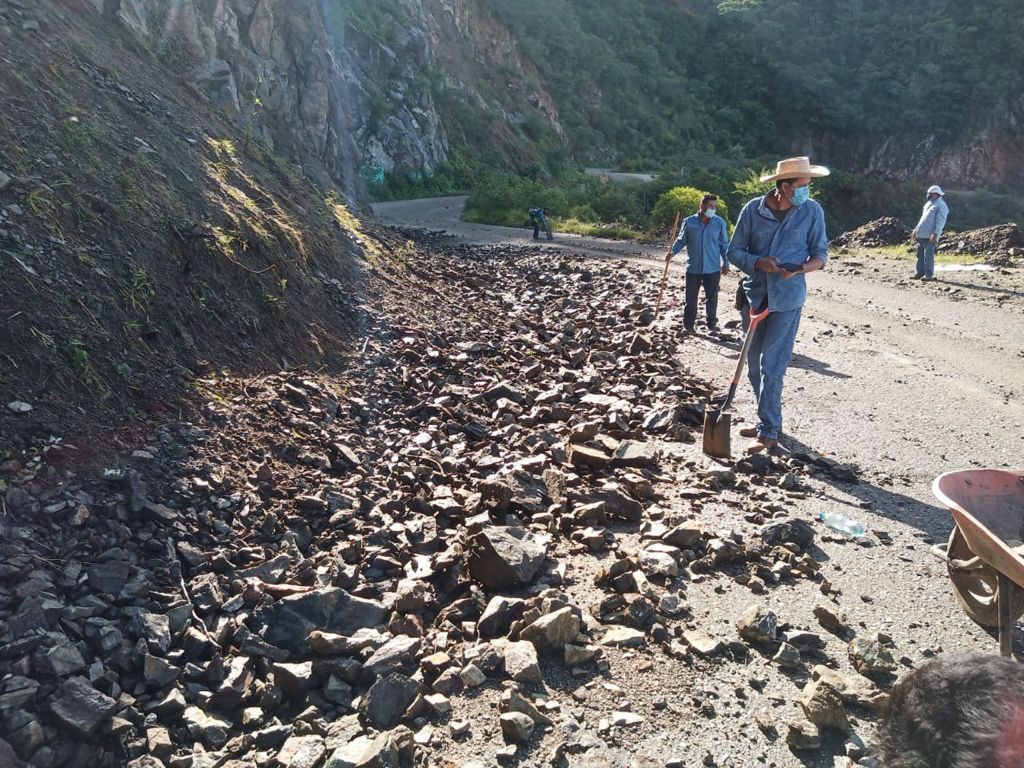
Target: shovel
[{"x": 717, "y": 423}]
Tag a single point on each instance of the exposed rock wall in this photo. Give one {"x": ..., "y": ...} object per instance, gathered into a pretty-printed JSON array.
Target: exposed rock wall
[
  {"x": 308, "y": 82},
  {"x": 304, "y": 80}
]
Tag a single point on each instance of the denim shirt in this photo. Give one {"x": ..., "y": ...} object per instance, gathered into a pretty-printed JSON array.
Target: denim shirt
[
  {"x": 795, "y": 240},
  {"x": 706, "y": 244},
  {"x": 933, "y": 219}
]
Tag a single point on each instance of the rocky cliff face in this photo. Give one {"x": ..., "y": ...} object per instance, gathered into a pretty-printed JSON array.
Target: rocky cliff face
[
  {"x": 268, "y": 64},
  {"x": 309, "y": 82},
  {"x": 991, "y": 154}
]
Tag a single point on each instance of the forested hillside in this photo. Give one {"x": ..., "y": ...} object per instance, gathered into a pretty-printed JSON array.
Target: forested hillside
[{"x": 899, "y": 90}]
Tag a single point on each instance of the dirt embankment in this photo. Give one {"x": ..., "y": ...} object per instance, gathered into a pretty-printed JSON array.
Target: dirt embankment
[{"x": 145, "y": 239}]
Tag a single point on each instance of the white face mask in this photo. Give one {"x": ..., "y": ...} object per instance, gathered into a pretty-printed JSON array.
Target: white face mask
[{"x": 710, "y": 213}]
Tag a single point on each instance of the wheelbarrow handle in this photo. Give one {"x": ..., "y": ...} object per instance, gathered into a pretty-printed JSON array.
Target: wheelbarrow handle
[{"x": 941, "y": 551}]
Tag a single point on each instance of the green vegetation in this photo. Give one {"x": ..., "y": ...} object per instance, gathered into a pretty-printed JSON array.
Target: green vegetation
[
  {"x": 586, "y": 205},
  {"x": 671, "y": 84},
  {"x": 685, "y": 200},
  {"x": 711, "y": 91},
  {"x": 708, "y": 93}
]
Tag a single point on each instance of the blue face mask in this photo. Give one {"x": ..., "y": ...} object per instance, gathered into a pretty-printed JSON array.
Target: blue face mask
[
  {"x": 709, "y": 213},
  {"x": 801, "y": 195}
]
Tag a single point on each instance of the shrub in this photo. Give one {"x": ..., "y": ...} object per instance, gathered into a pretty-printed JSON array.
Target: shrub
[{"x": 685, "y": 200}]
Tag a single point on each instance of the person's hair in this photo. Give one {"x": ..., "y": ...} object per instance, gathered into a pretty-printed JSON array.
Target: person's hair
[
  {"x": 959, "y": 709},
  {"x": 709, "y": 199}
]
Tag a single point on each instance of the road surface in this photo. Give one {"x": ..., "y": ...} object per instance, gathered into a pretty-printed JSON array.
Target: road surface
[
  {"x": 904, "y": 379},
  {"x": 907, "y": 379}
]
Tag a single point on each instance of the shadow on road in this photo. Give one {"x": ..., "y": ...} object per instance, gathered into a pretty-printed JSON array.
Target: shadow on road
[
  {"x": 932, "y": 520},
  {"x": 803, "y": 362},
  {"x": 982, "y": 288}
]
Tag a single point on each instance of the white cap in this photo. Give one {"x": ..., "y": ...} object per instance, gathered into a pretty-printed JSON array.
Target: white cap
[{"x": 936, "y": 189}]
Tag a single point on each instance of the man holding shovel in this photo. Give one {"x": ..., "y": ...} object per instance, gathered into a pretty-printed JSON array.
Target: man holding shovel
[{"x": 778, "y": 239}]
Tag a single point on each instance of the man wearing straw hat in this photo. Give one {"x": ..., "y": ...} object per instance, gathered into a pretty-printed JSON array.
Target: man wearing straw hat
[{"x": 778, "y": 239}]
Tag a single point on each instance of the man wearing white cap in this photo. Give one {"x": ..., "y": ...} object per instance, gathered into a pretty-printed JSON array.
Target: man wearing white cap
[
  {"x": 778, "y": 239},
  {"x": 928, "y": 231}
]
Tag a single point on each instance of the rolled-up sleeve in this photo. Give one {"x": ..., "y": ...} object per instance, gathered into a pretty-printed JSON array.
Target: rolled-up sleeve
[{"x": 738, "y": 253}]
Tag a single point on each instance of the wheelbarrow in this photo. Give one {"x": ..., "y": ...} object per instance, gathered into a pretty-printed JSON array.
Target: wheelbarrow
[{"x": 985, "y": 552}]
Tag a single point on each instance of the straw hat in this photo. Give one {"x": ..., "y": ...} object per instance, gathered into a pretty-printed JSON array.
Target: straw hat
[{"x": 795, "y": 168}]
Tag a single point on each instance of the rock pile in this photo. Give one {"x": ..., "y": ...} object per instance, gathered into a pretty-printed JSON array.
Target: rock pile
[
  {"x": 1002, "y": 243},
  {"x": 880, "y": 232},
  {"x": 323, "y": 571},
  {"x": 302, "y": 574}
]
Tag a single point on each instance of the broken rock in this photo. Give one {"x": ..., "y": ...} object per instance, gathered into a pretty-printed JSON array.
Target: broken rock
[
  {"x": 790, "y": 531},
  {"x": 871, "y": 659},
  {"x": 521, "y": 662},
  {"x": 388, "y": 699},
  {"x": 379, "y": 751},
  {"x": 516, "y": 727},
  {"x": 81, "y": 707},
  {"x": 505, "y": 557},
  {"x": 302, "y": 752},
  {"x": 803, "y": 735},
  {"x": 624, "y": 637},
  {"x": 499, "y": 614},
  {"x": 211, "y": 730},
  {"x": 587, "y": 457},
  {"x": 758, "y": 625},
  {"x": 633, "y": 453},
  {"x": 854, "y": 689},
  {"x": 551, "y": 632},
  {"x": 288, "y": 622},
  {"x": 832, "y": 619},
  {"x": 824, "y": 707}
]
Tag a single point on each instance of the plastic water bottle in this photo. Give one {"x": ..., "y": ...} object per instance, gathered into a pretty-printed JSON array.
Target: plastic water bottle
[{"x": 843, "y": 524}]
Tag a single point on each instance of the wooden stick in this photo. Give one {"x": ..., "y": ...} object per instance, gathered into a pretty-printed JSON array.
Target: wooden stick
[{"x": 668, "y": 258}]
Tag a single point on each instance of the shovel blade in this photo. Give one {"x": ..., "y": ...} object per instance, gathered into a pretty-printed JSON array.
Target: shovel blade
[{"x": 716, "y": 434}]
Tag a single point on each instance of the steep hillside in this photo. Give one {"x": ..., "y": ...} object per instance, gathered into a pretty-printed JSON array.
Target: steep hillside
[
  {"x": 894, "y": 91},
  {"x": 146, "y": 238},
  {"x": 414, "y": 96}
]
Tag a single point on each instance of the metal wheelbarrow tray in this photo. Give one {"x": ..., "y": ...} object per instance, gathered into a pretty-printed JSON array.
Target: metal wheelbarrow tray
[{"x": 986, "y": 571}]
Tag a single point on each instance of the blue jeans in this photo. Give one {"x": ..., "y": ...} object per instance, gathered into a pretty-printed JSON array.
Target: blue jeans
[
  {"x": 925, "y": 257},
  {"x": 694, "y": 281},
  {"x": 771, "y": 347}
]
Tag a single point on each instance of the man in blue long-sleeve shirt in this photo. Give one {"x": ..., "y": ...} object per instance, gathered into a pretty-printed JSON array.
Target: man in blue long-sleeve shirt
[
  {"x": 929, "y": 230},
  {"x": 706, "y": 240},
  {"x": 778, "y": 239}
]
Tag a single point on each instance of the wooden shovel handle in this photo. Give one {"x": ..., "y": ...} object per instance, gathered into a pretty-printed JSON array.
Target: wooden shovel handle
[
  {"x": 755, "y": 319},
  {"x": 668, "y": 257}
]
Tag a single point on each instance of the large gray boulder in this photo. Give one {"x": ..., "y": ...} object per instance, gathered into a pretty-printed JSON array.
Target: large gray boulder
[
  {"x": 288, "y": 622},
  {"x": 505, "y": 557}
]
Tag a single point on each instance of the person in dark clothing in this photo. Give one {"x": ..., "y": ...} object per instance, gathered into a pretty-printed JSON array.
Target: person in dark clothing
[{"x": 539, "y": 219}]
